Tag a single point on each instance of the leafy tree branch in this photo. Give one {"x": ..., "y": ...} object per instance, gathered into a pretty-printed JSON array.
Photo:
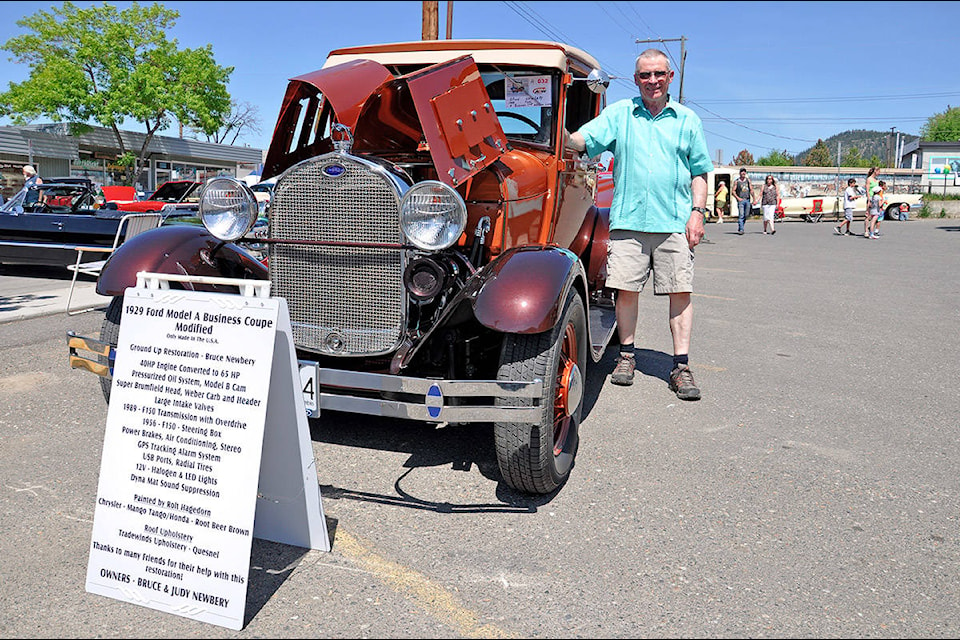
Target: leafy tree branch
[{"x": 101, "y": 65}]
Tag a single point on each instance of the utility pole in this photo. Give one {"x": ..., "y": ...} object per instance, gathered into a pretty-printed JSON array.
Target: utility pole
[
  {"x": 449, "y": 19},
  {"x": 890, "y": 151},
  {"x": 898, "y": 150},
  {"x": 431, "y": 21},
  {"x": 683, "y": 55}
]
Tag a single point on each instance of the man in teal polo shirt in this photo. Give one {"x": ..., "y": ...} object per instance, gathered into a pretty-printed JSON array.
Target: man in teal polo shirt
[{"x": 656, "y": 217}]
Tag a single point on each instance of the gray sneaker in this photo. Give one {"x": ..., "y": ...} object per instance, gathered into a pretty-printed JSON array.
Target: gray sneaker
[
  {"x": 681, "y": 381},
  {"x": 623, "y": 372}
]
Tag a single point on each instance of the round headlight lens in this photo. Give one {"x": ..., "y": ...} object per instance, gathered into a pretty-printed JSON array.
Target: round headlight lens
[
  {"x": 228, "y": 208},
  {"x": 432, "y": 215}
]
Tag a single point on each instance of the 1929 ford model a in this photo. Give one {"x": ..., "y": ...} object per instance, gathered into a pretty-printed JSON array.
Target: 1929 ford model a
[{"x": 442, "y": 256}]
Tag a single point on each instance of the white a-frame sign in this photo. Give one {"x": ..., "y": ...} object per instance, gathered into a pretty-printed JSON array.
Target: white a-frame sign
[{"x": 207, "y": 445}]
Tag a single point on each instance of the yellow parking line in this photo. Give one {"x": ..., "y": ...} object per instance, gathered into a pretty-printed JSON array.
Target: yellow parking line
[
  {"x": 419, "y": 588},
  {"x": 708, "y": 367},
  {"x": 703, "y": 295}
]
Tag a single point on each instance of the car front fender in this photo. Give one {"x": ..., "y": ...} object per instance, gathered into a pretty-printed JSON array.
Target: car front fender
[
  {"x": 523, "y": 289},
  {"x": 180, "y": 250}
]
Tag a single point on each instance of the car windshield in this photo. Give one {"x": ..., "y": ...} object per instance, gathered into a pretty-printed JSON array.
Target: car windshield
[
  {"x": 50, "y": 198},
  {"x": 524, "y": 102},
  {"x": 173, "y": 191}
]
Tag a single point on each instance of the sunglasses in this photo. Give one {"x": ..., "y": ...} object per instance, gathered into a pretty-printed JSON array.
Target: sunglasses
[{"x": 645, "y": 75}]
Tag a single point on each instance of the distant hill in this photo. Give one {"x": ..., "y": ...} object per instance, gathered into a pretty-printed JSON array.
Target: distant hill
[{"x": 867, "y": 142}]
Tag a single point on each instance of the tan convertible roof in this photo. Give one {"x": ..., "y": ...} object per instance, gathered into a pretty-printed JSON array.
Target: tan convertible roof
[{"x": 521, "y": 52}]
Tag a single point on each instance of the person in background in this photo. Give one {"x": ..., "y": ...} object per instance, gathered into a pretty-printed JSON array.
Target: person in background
[
  {"x": 742, "y": 192},
  {"x": 721, "y": 200},
  {"x": 850, "y": 195},
  {"x": 768, "y": 203},
  {"x": 883, "y": 207},
  {"x": 873, "y": 211},
  {"x": 661, "y": 162},
  {"x": 30, "y": 176},
  {"x": 30, "y": 179},
  {"x": 871, "y": 184}
]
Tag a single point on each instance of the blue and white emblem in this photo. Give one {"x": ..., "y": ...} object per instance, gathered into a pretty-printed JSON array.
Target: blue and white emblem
[
  {"x": 334, "y": 170},
  {"x": 434, "y": 401}
]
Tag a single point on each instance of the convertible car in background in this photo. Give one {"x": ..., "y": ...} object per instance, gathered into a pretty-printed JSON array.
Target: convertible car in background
[
  {"x": 43, "y": 225},
  {"x": 897, "y": 206},
  {"x": 175, "y": 196}
]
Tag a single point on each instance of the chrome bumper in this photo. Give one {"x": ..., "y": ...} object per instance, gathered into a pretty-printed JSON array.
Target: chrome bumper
[
  {"x": 424, "y": 399},
  {"x": 374, "y": 394},
  {"x": 81, "y": 349}
]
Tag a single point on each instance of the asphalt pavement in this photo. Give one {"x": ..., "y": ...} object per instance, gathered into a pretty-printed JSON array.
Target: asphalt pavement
[{"x": 811, "y": 492}]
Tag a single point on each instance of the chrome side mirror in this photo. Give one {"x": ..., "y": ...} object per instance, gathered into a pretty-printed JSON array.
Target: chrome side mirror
[{"x": 598, "y": 81}]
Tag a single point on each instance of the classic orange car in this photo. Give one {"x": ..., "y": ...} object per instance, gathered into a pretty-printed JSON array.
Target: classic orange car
[{"x": 443, "y": 256}]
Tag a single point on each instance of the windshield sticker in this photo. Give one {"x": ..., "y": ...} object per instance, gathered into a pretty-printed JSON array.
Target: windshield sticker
[{"x": 528, "y": 91}]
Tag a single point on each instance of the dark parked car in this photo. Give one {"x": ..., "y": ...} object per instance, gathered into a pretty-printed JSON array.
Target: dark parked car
[
  {"x": 43, "y": 224},
  {"x": 442, "y": 254}
]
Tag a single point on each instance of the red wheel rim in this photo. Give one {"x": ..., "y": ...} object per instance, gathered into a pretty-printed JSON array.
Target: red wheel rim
[{"x": 566, "y": 371}]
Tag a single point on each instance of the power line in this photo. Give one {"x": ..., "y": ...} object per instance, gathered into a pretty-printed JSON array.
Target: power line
[
  {"x": 905, "y": 96},
  {"x": 824, "y": 119},
  {"x": 614, "y": 20},
  {"x": 543, "y": 26},
  {"x": 766, "y": 133},
  {"x": 639, "y": 17},
  {"x": 538, "y": 24},
  {"x": 743, "y": 142}
]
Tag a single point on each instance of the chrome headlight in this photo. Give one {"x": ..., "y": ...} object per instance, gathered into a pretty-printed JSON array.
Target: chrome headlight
[
  {"x": 228, "y": 208},
  {"x": 432, "y": 215}
]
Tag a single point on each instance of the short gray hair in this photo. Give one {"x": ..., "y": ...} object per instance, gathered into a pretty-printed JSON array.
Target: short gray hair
[
  {"x": 29, "y": 170},
  {"x": 652, "y": 53}
]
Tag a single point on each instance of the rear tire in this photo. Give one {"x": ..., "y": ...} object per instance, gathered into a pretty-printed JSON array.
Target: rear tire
[
  {"x": 537, "y": 458},
  {"x": 109, "y": 334}
]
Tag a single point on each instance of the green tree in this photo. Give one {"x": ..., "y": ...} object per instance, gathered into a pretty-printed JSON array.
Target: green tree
[
  {"x": 743, "y": 158},
  {"x": 942, "y": 127},
  {"x": 776, "y": 159},
  {"x": 819, "y": 156},
  {"x": 242, "y": 117},
  {"x": 852, "y": 158},
  {"x": 874, "y": 161},
  {"x": 102, "y": 66}
]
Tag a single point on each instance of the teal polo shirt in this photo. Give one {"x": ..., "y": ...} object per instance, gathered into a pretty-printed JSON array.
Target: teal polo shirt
[{"x": 655, "y": 159}]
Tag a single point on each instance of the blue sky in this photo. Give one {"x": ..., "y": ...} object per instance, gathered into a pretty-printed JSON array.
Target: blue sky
[{"x": 763, "y": 76}]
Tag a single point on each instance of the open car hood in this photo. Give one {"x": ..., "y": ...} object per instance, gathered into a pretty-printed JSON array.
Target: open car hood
[{"x": 443, "y": 108}]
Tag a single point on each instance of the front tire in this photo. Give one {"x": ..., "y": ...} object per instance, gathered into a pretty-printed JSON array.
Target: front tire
[
  {"x": 892, "y": 212},
  {"x": 109, "y": 334},
  {"x": 537, "y": 458}
]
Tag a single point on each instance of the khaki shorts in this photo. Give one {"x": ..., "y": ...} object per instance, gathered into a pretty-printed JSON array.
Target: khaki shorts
[{"x": 633, "y": 254}]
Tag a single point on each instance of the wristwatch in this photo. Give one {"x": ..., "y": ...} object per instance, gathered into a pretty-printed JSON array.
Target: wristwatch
[{"x": 702, "y": 210}]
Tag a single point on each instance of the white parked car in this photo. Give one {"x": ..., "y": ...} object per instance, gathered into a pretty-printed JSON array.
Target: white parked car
[
  {"x": 812, "y": 208},
  {"x": 263, "y": 191}
]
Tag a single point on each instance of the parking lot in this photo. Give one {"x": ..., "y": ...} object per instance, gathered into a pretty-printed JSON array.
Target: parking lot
[{"x": 812, "y": 492}]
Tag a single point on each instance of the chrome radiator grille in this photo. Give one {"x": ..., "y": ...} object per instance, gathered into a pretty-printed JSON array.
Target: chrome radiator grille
[{"x": 343, "y": 300}]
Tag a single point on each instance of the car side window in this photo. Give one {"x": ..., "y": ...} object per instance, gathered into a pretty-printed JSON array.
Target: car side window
[{"x": 581, "y": 106}]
